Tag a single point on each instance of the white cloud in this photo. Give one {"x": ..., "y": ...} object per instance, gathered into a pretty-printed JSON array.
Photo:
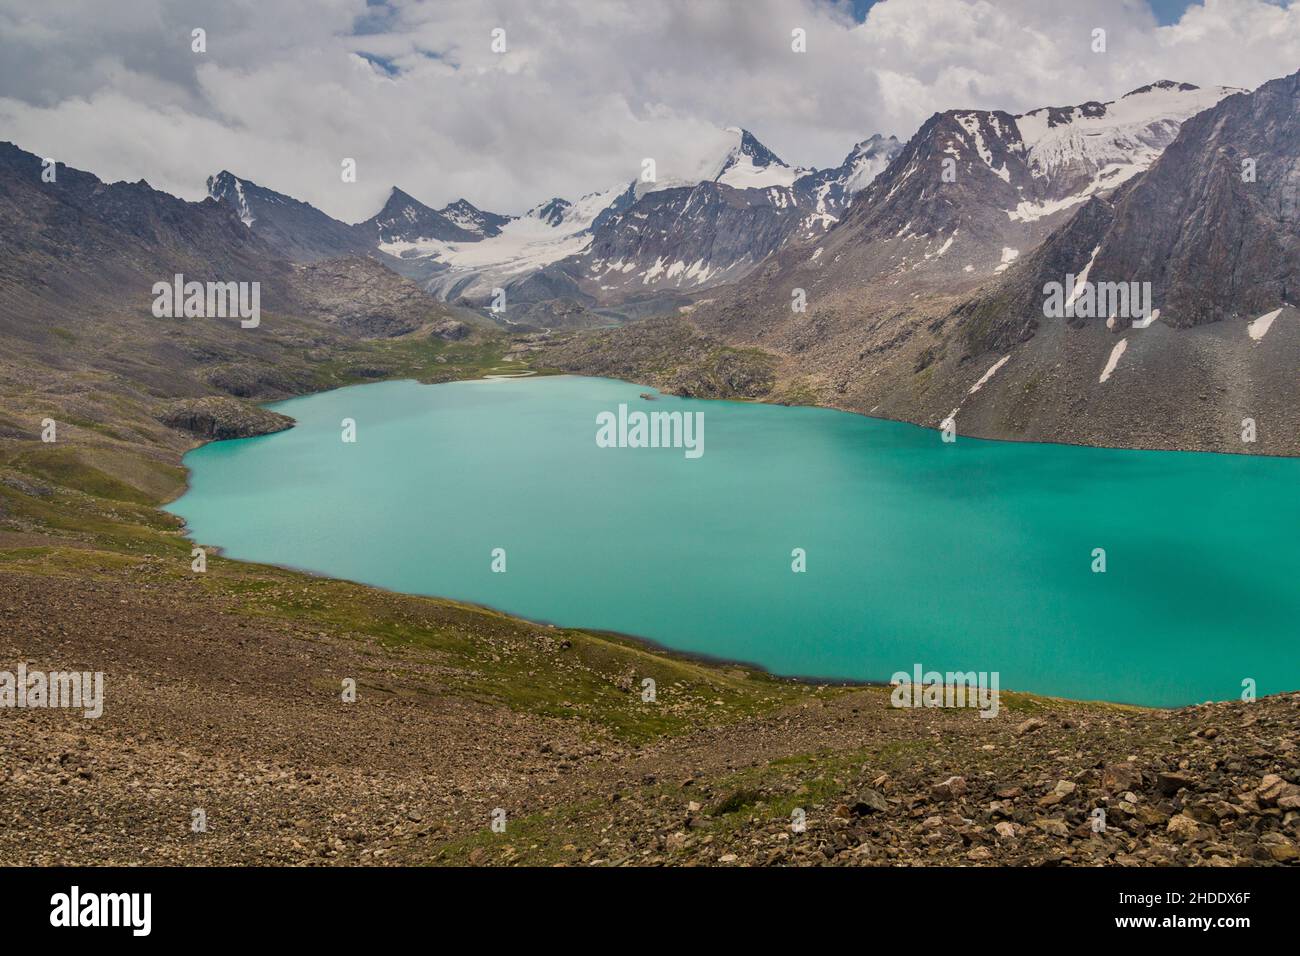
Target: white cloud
[{"x": 585, "y": 91}]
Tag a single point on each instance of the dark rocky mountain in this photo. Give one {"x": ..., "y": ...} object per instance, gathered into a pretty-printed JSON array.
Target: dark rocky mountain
[
  {"x": 749, "y": 151},
  {"x": 300, "y": 232},
  {"x": 1213, "y": 226},
  {"x": 79, "y": 241},
  {"x": 81, "y": 258},
  {"x": 553, "y": 211},
  {"x": 622, "y": 253},
  {"x": 685, "y": 238},
  {"x": 974, "y": 190},
  {"x": 833, "y": 190},
  {"x": 891, "y": 331},
  {"x": 469, "y": 217},
  {"x": 404, "y": 219},
  {"x": 296, "y": 230},
  {"x": 966, "y": 196},
  {"x": 638, "y": 250},
  {"x": 692, "y": 237}
]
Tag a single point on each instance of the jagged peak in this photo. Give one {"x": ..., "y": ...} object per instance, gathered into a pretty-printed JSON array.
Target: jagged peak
[
  {"x": 398, "y": 201},
  {"x": 222, "y": 181},
  {"x": 1161, "y": 85},
  {"x": 397, "y": 194},
  {"x": 551, "y": 212},
  {"x": 747, "y": 144}
]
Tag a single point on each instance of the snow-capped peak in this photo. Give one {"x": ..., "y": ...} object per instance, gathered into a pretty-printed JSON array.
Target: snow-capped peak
[
  {"x": 748, "y": 164},
  {"x": 467, "y": 216},
  {"x": 868, "y": 160},
  {"x": 552, "y": 212},
  {"x": 1130, "y": 131},
  {"x": 731, "y": 156}
]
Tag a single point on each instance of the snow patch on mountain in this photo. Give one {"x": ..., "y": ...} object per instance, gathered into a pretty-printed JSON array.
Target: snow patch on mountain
[
  {"x": 989, "y": 374},
  {"x": 1258, "y": 328},
  {"x": 1129, "y": 132},
  {"x": 1113, "y": 362},
  {"x": 1009, "y": 256},
  {"x": 971, "y": 123}
]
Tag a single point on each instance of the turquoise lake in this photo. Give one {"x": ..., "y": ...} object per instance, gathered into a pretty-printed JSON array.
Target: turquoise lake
[{"x": 975, "y": 555}]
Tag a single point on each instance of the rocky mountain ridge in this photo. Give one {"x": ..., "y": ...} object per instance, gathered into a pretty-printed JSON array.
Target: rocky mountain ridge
[{"x": 903, "y": 319}]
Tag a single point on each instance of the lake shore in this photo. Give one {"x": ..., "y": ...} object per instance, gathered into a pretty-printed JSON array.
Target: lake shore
[
  {"x": 1032, "y": 511},
  {"x": 223, "y": 693}
]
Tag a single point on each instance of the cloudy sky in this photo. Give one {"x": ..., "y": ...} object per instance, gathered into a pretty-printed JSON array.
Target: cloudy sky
[{"x": 584, "y": 90}]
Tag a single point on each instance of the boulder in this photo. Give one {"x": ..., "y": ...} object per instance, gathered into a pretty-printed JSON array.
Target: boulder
[{"x": 949, "y": 789}]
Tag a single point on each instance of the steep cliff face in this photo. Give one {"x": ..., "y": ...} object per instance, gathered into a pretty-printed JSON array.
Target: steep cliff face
[
  {"x": 1213, "y": 227},
  {"x": 974, "y": 191},
  {"x": 1215, "y": 224}
]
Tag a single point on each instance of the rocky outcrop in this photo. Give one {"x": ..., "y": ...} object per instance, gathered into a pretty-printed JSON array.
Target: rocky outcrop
[
  {"x": 450, "y": 330},
  {"x": 669, "y": 354},
  {"x": 364, "y": 298},
  {"x": 218, "y": 418}
]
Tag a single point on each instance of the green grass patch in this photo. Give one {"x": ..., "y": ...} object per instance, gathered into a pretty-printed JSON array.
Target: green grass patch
[{"x": 66, "y": 467}]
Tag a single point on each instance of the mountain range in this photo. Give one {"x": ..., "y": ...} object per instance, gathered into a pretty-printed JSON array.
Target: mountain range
[
  {"x": 648, "y": 246},
  {"x": 928, "y": 302},
  {"x": 906, "y": 282},
  {"x": 617, "y": 252}
]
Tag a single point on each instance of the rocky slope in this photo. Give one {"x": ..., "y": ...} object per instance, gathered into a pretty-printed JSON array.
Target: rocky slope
[
  {"x": 973, "y": 191},
  {"x": 80, "y": 239},
  {"x": 362, "y": 297},
  {"x": 665, "y": 352},
  {"x": 223, "y": 696}
]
